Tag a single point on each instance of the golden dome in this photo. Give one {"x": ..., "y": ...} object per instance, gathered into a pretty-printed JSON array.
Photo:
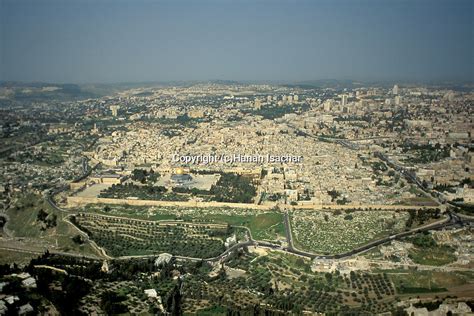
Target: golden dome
[{"x": 179, "y": 171}]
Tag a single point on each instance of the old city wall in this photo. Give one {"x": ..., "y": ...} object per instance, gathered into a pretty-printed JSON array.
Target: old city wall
[{"x": 78, "y": 201}]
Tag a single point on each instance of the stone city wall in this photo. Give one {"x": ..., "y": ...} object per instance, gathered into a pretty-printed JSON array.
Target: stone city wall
[
  {"x": 78, "y": 200},
  {"x": 367, "y": 207}
]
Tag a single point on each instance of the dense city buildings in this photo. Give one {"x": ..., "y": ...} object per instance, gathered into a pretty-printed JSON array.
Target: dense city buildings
[
  {"x": 235, "y": 158},
  {"x": 347, "y": 179}
]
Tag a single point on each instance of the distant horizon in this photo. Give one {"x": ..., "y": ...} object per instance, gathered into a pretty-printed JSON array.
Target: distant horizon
[
  {"x": 276, "y": 82},
  {"x": 85, "y": 41}
]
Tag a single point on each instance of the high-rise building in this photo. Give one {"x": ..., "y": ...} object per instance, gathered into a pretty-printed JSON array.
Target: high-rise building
[
  {"x": 343, "y": 99},
  {"x": 327, "y": 105},
  {"x": 295, "y": 98},
  {"x": 95, "y": 130},
  {"x": 114, "y": 109},
  {"x": 395, "y": 90},
  {"x": 398, "y": 100},
  {"x": 258, "y": 104}
]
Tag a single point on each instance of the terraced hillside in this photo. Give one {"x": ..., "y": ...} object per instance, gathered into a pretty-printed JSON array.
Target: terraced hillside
[
  {"x": 264, "y": 225},
  {"x": 121, "y": 236}
]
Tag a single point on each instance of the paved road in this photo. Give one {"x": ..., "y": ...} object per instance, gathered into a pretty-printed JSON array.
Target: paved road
[
  {"x": 50, "y": 201},
  {"x": 409, "y": 175},
  {"x": 452, "y": 220},
  {"x": 343, "y": 142},
  {"x": 217, "y": 258},
  {"x": 289, "y": 233},
  {"x": 38, "y": 252}
]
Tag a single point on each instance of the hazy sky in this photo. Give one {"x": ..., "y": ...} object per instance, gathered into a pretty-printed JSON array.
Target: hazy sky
[{"x": 123, "y": 41}]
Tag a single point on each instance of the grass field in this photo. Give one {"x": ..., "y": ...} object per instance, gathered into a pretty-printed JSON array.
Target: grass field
[
  {"x": 265, "y": 226},
  {"x": 9, "y": 257},
  {"x": 138, "y": 212},
  {"x": 212, "y": 311},
  {"x": 434, "y": 256},
  {"x": 22, "y": 217},
  {"x": 411, "y": 282},
  {"x": 23, "y": 222},
  {"x": 420, "y": 200}
]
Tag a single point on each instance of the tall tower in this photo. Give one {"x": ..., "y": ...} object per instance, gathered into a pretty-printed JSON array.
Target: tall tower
[
  {"x": 327, "y": 106},
  {"x": 395, "y": 90},
  {"x": 398, "y": 100},
  {"x": 114, "y": 109},
  {"x": 343, "y": 99},
  {"x": 95, "y": 130},
  {"x": 257, "y": 104}
]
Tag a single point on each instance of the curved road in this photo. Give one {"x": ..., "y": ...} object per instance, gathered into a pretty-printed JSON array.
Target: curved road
[{"x": 452, "y": 220}]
